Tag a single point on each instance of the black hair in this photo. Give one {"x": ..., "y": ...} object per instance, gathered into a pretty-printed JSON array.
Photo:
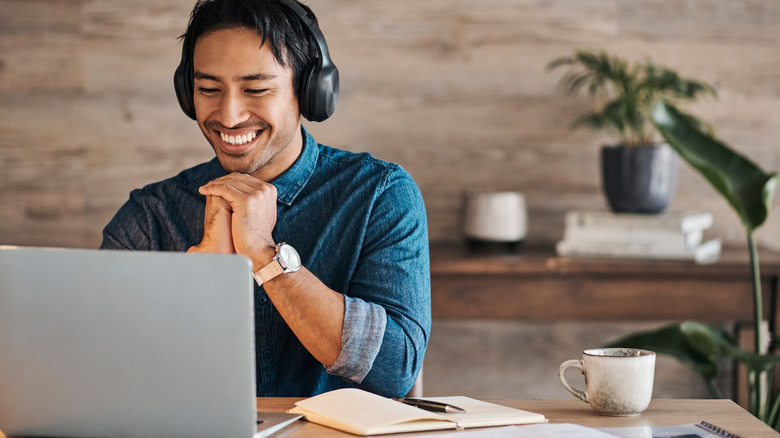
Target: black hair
[{"x": 277, "y": 24}]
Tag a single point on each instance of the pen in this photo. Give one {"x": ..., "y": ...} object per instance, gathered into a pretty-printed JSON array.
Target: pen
[{"x": 430, "y": 405}]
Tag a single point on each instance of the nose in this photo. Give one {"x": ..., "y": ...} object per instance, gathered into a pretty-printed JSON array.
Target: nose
[{"x": 233, "y": 109}]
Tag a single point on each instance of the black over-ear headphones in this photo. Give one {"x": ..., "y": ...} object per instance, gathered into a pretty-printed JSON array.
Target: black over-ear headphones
[{"x": 319, "y": 91}]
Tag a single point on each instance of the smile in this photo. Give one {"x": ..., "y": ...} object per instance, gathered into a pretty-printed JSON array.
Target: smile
[{"x": 238, "y": 139}]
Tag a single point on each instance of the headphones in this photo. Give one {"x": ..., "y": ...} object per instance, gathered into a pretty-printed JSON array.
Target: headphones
[{"x": 319, "y": 91}]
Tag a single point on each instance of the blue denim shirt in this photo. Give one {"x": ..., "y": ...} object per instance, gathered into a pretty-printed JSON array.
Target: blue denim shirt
[{"x": 359, "y": 225}]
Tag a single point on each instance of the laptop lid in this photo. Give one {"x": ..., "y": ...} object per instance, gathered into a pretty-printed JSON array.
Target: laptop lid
[{"x": 119, "y": 343}]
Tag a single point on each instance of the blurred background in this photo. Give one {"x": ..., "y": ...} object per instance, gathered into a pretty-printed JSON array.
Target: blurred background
[{"x": 455, "y": 91}]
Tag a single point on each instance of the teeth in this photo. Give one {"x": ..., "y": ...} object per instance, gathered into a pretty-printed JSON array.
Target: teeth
[{"x": 238, "y": 139}]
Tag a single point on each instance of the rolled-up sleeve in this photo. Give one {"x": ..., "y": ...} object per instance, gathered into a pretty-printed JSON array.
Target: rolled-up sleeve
[{"x": 364, "y": 328}]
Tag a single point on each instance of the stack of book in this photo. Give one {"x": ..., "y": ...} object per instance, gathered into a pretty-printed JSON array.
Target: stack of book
[{"x": 671, "y": 235}]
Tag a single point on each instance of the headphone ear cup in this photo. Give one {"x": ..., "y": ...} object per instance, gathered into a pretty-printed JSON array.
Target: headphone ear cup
[
  {"x": 327, "y": 91},
  {"x": 319, "y": 93},
  {"x": 183, "y": 84},
  {"x": 304, "y": 97}
]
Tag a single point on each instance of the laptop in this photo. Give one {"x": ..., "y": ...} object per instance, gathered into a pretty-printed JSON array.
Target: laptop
[{"x": 133, "y": 344}]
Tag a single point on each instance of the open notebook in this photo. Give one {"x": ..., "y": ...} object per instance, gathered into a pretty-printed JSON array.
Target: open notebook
[{"x": 363, "y": 413}]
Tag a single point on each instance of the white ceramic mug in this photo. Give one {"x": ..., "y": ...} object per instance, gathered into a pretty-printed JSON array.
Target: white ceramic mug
[
  {"x": 618, "y": 381},
  {"x": 495, "y": 216}
]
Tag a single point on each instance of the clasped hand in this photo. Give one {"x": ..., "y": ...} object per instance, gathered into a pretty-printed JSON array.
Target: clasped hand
[{"x": 239, "y": 217}]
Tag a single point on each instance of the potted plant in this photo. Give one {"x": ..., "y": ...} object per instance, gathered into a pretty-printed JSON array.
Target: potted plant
[
  {"x": 639, "y": 173},
  {"x": 749, "y": 191}
]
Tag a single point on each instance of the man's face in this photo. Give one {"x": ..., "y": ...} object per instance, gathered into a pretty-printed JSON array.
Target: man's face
[{"x": 244, "y": 103}]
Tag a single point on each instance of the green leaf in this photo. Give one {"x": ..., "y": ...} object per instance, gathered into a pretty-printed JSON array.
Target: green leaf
[
  {"x": 625, "y": 92},
  {"x": 759, "y": 362},
  {"x": 672, "y": 341},
  {"x": 741, "y": 182},
  {"x": 710, "y": 340}
]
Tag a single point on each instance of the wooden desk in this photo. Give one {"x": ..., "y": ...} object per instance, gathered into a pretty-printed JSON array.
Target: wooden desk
[
  {"x": 536, "y": 284},
  {"x": 663, "y": 412}
]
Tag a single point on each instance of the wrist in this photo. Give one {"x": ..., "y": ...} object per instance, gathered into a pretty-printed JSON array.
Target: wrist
[
  {"x": 262, "y": 257},
  {"x": 211, "y": 246},
  {"x": 285, "y": 260}
]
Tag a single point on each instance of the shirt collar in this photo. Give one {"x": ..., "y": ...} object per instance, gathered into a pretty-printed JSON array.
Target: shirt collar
[{"x": 290, "y": 183}]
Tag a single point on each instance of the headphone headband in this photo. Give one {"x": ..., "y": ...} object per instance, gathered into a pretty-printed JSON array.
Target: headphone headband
[{"x": 319, "y": 83}]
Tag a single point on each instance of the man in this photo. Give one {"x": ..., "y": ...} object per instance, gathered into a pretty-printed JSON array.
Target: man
[{"x": 357, "y": 313}]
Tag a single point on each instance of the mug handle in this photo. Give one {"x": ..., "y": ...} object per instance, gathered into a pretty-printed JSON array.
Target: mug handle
[{"x": 572, "y": 364}]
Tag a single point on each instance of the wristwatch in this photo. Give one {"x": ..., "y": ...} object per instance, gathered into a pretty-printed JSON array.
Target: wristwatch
[{"x": 285, "y": 260}]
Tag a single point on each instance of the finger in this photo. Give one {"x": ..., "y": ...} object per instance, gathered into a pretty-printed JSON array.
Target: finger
[
  {"x": 248, "y": 180},
  {"x": 237, "y": 193},
  {"x": 216, "y": 204},
  {"x": 235, "y": 182},
  {"x": 235, "y": 190}
]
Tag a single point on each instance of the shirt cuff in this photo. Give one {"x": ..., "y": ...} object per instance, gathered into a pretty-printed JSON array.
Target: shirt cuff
[{"x": 361, "y": 338}]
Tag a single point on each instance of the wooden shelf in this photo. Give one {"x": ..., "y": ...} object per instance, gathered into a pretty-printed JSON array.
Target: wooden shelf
[{"x": 536, "y": 284}]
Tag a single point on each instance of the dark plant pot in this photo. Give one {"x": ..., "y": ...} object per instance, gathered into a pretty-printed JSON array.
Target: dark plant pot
[{"x": 639, "y": 179}]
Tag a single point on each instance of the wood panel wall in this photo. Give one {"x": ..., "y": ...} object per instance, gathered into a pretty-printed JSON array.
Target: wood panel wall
[{"x": 456, "y": 91}]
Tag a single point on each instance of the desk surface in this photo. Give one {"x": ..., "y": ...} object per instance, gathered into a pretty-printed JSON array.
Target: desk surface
[{"x": 662, "y": 412}]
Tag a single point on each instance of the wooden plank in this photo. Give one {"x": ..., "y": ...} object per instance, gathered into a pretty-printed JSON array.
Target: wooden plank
[
  {"x": 33, "y": 17},
  {"x": 742, "y": 22},
  {"x": 145, "y": 19},
  {"x": 585, "y": 299},
  {"x": 449, "y": 23},
  {"x": 39, "y": 65}
]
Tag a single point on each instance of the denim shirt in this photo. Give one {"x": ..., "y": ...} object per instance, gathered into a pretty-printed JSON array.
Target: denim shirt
[{"x": 359, "y": 225}]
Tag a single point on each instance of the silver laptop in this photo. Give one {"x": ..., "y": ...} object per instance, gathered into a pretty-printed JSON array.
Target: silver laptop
[{"x": 117, "y": 343}]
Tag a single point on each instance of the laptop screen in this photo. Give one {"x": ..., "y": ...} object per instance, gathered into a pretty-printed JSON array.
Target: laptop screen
[{"x": 107, "y": 343}]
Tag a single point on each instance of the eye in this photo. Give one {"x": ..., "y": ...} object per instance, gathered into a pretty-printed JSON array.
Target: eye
[
  {"x": 208, "y": 91},
  {"x": 256, "y": 91}
]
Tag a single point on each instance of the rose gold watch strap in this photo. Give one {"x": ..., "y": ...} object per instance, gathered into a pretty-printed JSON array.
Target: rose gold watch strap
[{"x": 268, "y": 272}]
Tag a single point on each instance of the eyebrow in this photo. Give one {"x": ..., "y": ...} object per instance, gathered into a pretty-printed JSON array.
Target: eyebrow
[
  {"x": 258, "y": 77},
  {"x": 252, "y": 77}
]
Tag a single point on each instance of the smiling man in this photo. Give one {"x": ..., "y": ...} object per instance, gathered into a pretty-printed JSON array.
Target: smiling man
[{"x": 345, "y": 300}]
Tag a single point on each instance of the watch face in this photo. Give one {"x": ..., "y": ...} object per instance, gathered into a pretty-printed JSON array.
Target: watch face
[{"x": 290, "y": 257}]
